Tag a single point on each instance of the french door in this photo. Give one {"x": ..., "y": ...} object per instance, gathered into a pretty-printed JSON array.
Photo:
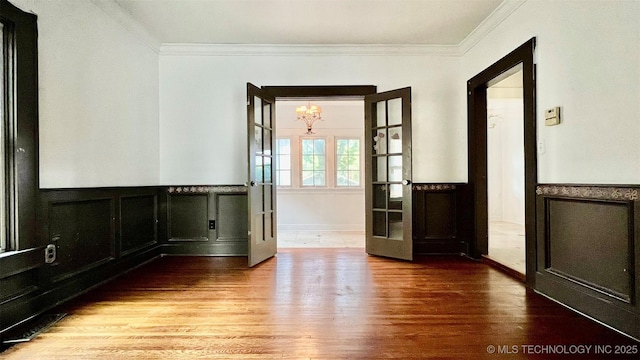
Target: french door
[
  {"x": 261, "y": 191},
  {"x": 388, "y": 174}
]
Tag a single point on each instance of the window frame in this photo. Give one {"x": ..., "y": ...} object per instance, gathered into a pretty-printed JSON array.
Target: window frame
[
  {"x": 300, "y": 160},
  {"x": 360, "y": 162},
  {"x": 331, "y": 171},
  {"x": 20, "y": 115},
  {"x": 7, "y": 138},
  {"x": 277, "y": 162}
]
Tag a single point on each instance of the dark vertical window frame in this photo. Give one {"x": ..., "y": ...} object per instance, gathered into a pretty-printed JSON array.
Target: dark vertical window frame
[
  {"x": 6, "y": 240},
  {"x": 21, "y": 150}
]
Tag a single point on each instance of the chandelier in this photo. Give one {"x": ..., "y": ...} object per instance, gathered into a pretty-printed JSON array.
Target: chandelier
[{"x": 309, "y": 114}]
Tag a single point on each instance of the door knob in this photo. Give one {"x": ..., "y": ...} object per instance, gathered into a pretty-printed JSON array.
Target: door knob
[
  {"x": 406, "y": 182},
  {"x": 252, "y": 183}
]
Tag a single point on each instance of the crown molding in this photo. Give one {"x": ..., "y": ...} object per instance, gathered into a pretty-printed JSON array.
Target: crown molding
[
  {"x": 128, "y": 22},
  {"x": 306, "y": 50},
  {"x": 503, "y": 11}
]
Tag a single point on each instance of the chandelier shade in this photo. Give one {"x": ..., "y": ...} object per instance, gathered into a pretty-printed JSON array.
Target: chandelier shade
[{"x": 309, "y": 114}]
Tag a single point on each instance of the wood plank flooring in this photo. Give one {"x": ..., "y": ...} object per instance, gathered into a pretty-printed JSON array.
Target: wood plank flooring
[{"x": 315, "y": 304}]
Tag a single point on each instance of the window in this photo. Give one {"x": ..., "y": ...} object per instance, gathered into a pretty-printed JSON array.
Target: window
[
  {"x": 347, "y": 162},
  {"x": 18, "y": 129},
  {"x": 328, "y": 162},
  {"x": 5, "y": 90},
  {"x": 313, "y": 162},
  {"x": 283, "y": 162}
]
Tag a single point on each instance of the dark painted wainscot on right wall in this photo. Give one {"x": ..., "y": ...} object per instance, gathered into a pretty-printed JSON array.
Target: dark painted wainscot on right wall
[{"x": 588, "y": 251}]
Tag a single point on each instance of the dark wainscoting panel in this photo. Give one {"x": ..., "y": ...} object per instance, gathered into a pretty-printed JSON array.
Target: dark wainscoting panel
[
  {"x": 588, "y": 255},
  {"x": 83, "y": 234},
  {"x": 98, "y": 233},
  {"x": 604, "y": 226},
  {"x": 188, "y": 215},
  {"x": 437, "y": 219},
  {"x": 229, "y": 214},
  {"x": 230, "y": 226},
  {"x": 206, "y": 220},
  {"x": 139, "y": 219}
]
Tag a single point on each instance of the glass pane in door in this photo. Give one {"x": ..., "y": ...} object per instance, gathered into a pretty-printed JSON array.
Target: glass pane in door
[
  {"x": 257, "y": 105},
  {"x": 266, "y": 140},
  {"x": 380, "y": 169},
  {"x": 395, "y": 140},
  {"x": 258, "y": 138},
  {"x": 259, "y": 169},
  {"x": 394, "y": 106},
  {"x": 267, "y": 169},
  {"x": 380, "y": 196},
  {"x": 395, "y": 196},
  {"x": 395, "y": 168},
  {"x": 395, "y": 225},
  {"x": 380, "y": 223},
  {"x": 381, "y": 114},
  {"x": 266, "y": 115},
  {"x": 380, "y": 141}
]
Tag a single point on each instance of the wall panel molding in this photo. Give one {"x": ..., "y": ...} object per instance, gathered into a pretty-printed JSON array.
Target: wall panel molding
[
  {"x": 588, "y": 255},
  {"x": 83, "y": 233},
  {"x": 438, "y": 219},
  {"x": 138, "y": 222},
  {"x": 99, "y": 234},
  {"x": 590, "y": 192},
  {"x": 206, "y": 220}
]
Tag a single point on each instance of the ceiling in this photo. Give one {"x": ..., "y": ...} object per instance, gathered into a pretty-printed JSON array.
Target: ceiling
[
  {"x": 386, "y": 22},
  {"x": 512, "y": 82}
]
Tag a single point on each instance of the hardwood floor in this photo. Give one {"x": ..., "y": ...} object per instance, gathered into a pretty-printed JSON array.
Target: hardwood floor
[{"x": 315, "y": 304}]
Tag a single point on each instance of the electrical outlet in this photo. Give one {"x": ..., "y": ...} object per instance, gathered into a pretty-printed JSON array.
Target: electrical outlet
[
  {"x": 212, "y": 224},
  {"x": 50, "y": 254}
]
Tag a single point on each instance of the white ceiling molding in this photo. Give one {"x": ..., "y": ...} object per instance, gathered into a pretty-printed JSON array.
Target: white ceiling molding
[
  {"x": 503, "y": 11},
  {"x": 486, "y": 26},
  {"x": 494, "y": 19},
  {"x": 129, "y": 23},
  {"x": 306, "y": 50}
]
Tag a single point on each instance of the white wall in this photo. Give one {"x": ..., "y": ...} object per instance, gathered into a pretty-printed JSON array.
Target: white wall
[
  {"x": 98, "y": 94},
  {"x": 99, "y": 101},
  {"x": 203, "y": 111},
  {"x": 505, "y": 160},
  {"x": 588, "y": 57},
  {"x": 327, "y": 208}
]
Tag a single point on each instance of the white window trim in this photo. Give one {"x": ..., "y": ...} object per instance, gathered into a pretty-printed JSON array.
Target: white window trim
[
  {"x": 330, "y": 164},
  {"x": 335, "y": 161},
  {"x": 277, "y": 162},
  {"x": 326, "y": 163}
]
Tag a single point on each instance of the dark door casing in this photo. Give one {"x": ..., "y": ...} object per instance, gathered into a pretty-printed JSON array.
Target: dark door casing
[{"x": 477, "y": 151}]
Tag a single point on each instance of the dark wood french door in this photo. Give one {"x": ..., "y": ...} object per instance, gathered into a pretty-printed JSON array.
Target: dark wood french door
[
  {"x": 261, "y": 190},
  {"x": 388, "y": 174}
]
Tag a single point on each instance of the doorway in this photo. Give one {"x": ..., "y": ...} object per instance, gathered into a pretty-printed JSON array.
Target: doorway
[
  {"x": 387, "y": 167},
  {"x": 505, "y": 171},
  {"x": 521, "y": 59},
  {"x": 319, "y": 174}
]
